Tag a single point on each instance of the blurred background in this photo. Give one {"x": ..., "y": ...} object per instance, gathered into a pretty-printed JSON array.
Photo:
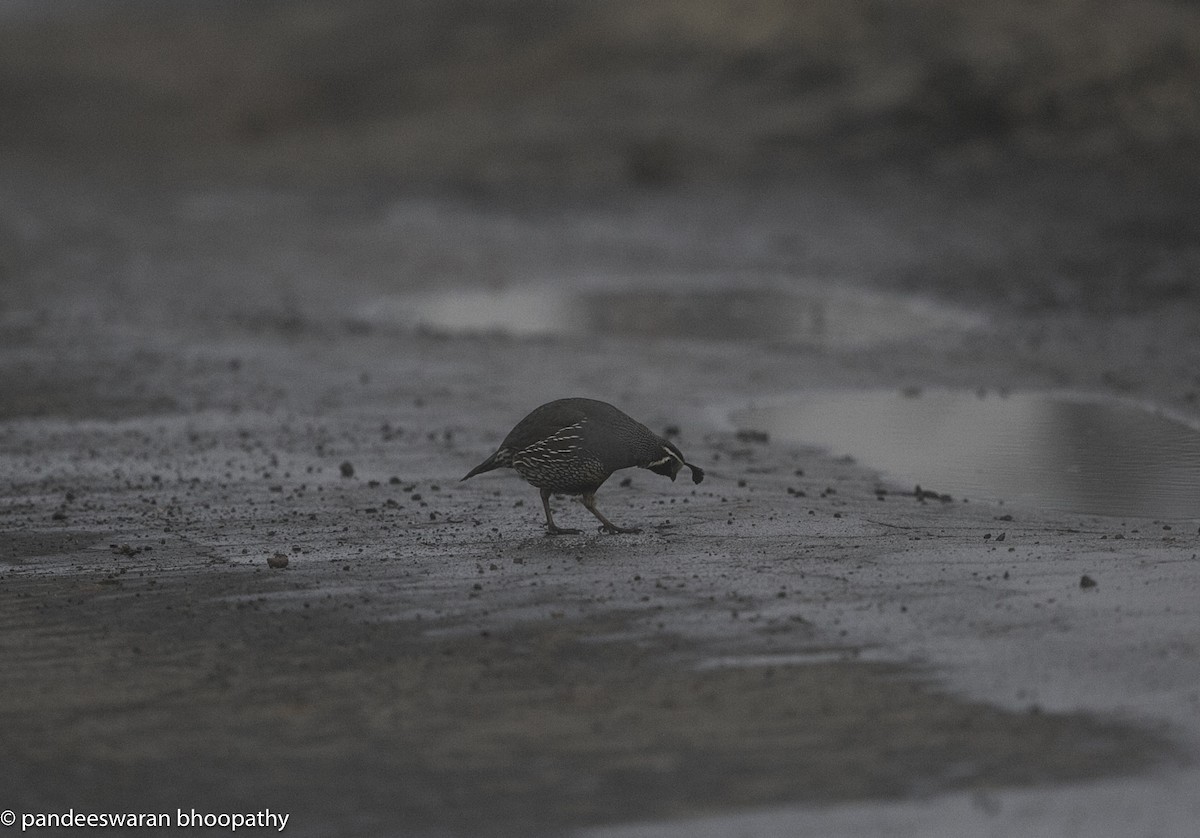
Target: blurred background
[
  {"x": 1075, "y": 124},
  {"x": 560, "y": 93}
]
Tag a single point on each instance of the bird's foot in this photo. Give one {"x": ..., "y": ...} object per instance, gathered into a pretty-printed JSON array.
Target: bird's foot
[
  {"x": 613, "y": 529},
  {"x": 560, "y": 531}
]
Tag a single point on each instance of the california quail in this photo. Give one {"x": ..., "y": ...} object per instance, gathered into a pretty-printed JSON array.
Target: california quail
[{"x": 571, "y": 446}]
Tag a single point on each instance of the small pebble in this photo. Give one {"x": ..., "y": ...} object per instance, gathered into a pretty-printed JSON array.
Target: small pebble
[{"x": 277, "y": 560}]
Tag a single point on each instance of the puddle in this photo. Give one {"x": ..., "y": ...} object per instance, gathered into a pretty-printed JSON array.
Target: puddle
[
  {"x": 1052, "y": 451},
  {"x": 820, "y": 315}
]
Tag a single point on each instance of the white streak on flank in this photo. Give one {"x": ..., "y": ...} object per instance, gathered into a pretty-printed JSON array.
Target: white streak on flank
[{"x": 562, "y": 433}]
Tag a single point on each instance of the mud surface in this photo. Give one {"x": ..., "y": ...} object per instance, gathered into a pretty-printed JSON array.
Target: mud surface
[
  {"x": 372, "y": 725},
  {"x": 791, "y": 630},
  {"x": 229, "y": 337}
]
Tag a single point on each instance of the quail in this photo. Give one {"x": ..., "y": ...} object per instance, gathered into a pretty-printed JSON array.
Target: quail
[{"x": 571, "y": 446}]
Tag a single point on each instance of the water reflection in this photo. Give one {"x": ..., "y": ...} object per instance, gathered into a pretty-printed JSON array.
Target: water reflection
[
  {"x": 825, "y": 316},
  {"x": 1042, "y": 450}
]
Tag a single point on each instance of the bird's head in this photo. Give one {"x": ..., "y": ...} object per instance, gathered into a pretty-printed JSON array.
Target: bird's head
[{"x": 672, "y": 461}]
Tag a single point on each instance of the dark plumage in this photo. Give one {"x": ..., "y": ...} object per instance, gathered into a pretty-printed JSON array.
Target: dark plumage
[{"x": 571, "y": 446}]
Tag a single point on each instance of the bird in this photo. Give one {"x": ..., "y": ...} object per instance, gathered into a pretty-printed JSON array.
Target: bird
[{"x": 571, "y": 446}]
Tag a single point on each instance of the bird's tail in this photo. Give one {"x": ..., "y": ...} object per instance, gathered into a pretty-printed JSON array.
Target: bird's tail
[{"x": 498, "y": 460}]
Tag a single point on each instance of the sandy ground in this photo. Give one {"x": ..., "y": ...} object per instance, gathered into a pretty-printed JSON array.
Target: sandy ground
[
  {"x": 186, "y": 388},
  {"x": 247, "y": 274}
]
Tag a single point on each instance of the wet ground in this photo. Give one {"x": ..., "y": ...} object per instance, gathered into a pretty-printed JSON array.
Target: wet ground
[
  {"x": 800, "y": 629},
  {"x": 940, "y": 577}
]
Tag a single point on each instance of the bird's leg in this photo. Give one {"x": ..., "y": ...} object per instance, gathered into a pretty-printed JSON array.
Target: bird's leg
[
  {"x": 551, "y": 527},
  {"x": 589, "y": 503}
]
